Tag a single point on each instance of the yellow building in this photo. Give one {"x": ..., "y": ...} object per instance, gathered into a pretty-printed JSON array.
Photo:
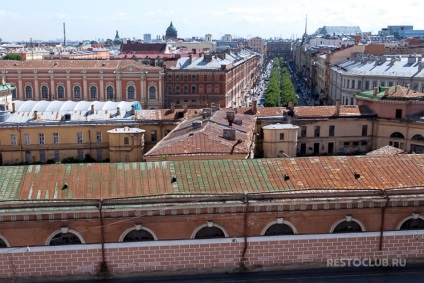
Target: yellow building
[{"x": 59, "y": 131}]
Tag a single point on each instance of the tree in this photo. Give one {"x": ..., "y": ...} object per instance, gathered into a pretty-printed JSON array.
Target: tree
[{"x": 12, "y": 56}]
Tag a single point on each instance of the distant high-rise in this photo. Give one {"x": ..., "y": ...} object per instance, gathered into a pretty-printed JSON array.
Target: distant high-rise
[{"x": 147, "y": 37}]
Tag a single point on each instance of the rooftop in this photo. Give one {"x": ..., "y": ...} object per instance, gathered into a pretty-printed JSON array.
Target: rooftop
[{"x": 209, "y": 177}]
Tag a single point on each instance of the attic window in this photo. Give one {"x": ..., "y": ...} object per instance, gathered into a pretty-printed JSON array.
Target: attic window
[{"x": 67, "y": 117}]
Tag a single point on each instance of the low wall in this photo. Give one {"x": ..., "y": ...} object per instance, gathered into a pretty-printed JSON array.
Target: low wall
[{"x": 190, "y": 255}]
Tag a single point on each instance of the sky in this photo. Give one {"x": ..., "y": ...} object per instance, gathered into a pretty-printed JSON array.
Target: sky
[{"x": 22, "y": 20}]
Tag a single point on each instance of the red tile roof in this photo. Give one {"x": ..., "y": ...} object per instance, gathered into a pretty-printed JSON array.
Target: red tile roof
[
  {"x": 216, "y": 177},
  {"x": 317, "y": 111}
]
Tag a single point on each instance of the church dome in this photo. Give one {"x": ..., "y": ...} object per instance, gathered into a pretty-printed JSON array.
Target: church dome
[{"x": 171, "y": 32}]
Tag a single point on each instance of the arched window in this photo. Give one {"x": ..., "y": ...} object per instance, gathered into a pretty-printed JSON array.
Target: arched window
[
  {"x": 279, "y": 229},
  {"x": 109, "y": 92},
  {"x": 3, "y": 242},
  {"x": 138, "y": 235},
  {"x": 60, "y": 92},
  {"x": 28, "y": 91},
  {"x": 44, "y": 92},
  {"x": 152, "y": 92},
  {"x": 65, "y": 237},
  {"x": 417, "y": 138},
  {"x": 131, "y": 92},
  {"x": 77, "y": 92},
  {"x": 93, "y": 92},
  {"x": 14, "y": 91},
  {"x": 397, "y": 135},
  {"x": 412, "y": 224},
  {"x": 209, "y": 233},
  {"x": 347, "y": 227}
]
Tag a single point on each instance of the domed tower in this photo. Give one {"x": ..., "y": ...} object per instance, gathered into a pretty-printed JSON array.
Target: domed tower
[
  {"x": 171, "y": 32},
  {"x": 117, "y": 40}
]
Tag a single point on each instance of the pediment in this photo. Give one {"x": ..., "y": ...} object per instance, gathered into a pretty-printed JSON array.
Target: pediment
[{"x": 130, "y": 68}]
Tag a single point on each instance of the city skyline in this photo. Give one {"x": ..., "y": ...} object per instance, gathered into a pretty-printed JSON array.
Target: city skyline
[{"x": 43, "y": 20}]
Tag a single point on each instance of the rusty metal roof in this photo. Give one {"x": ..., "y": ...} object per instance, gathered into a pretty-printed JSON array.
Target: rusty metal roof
[{"x": 210, "y": 177}]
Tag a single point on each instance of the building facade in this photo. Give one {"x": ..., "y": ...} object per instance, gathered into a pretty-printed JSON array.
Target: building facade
[
  {"x": 85, "y": 80},
  {"x": 122, "y": 218},
  {"x": 222, "y": 78},
  {"x": 257, "y": 44}
]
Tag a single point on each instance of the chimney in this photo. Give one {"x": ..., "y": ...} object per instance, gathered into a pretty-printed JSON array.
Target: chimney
[
  {"x": 185, "y": 107},
  {"x": 193, "y": 50},
  {"x": 337, "y": 107},
  {"x": 229, "y": 134},
  {"x": 172, "y": 107},
  {"x": 132, "y": 110},
  {"x": 92, "y": 108},
  {"x": 35, "y": 115},
  {"x": 290, "y": 105},
  {"x": 231, "y": 115},
  {"x": 254, "y": 106},
  {"x": 375, "y": 91},
  {"x": 118, "y": 111},
  {"x": 386, "y": 91},
  {"x": 13, "y": 108},
  {"x": 190, "y": 58}
]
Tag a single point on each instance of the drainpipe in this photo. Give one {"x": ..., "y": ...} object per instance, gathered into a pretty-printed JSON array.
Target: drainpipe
[
  {"x": 383, "y": 213},
  {"x": 245, "y": 226},
  {"x": 103, "y": 268}
]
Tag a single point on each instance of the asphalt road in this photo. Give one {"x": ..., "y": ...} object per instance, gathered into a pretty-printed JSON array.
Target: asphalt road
[{"x": 409, "y": 274}]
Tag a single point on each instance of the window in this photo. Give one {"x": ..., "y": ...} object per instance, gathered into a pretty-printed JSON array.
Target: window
[
  {"x": 13, "y": 139},
  {"x": 209, "y": 233},
  {"x": 138, "y": 235},
  {"x": 390, "y": 83},
  {"x": 80, "y": 154},
  {"x": 77, "y": 92},
  {"x": 316, "y": 131},
  {"x": 99, "y": 154},
  {"x": 14, "y": 92},
  {"x": 167, "y": 132},
  {"x": 55, "y": 138},
  {"x": 93, "y": 92},
  {"x": 65, "y": 239},
  {"x": 185, "y": 89},
  {"x": 346, "y": 143},
  {"x": 331, "y": 131},
  {"x": 28, "y": 157},
  {"x": 193, "y": 89},
  {"x": 42, "y": 156},
  {"x": 364, "y": 130},
  {"x": 131, "y": 92},
  {"x": 56, "y": 156},
  {"x": 169, "y": 77},
  {"x": 177, "y": 89},
  {"x": 169, "y": 89},
  {"x": 126, "y": 140},
  {"x": 127, "y": 158},
  {"x": 355, "y": 143},
  {"x": 382, "y": 84},
  {"x": 347, "y": 227},
  {"x": 28, "y": 91},
  {"x": 27, "y": 139},
  {"x": 208, "y": 88},
  {"x": 367, "y": 84},
  {"x": 99, "y": 136},
  {"x": 303, "y": 132},
  {"x": 193, "y": 78},
  {"x": 40, "y": 138},
  {"x": 412, "y": 224},
  {"x": 398, "y": 114},
  {"x": 397, "y": 135},
  {"x": 360, "y": 85},
  {"x": 154, "y": 136},
  {"x": 60, "y": 92},
  {"x": 177, "y": 77},
  {"x": 185, "y": 78},
  {"x": 44, "y": 92},
  {"x": 79, "y": 137},
  {"x": 109, "y": 93},
  {"x": 152, "y": 92},
  {"x": 279, "y": 229},
  {"x": 281, "y": 136}
]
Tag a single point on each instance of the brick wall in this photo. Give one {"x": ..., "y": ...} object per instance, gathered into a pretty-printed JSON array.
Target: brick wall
[{"x": 123, "y": 258}]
